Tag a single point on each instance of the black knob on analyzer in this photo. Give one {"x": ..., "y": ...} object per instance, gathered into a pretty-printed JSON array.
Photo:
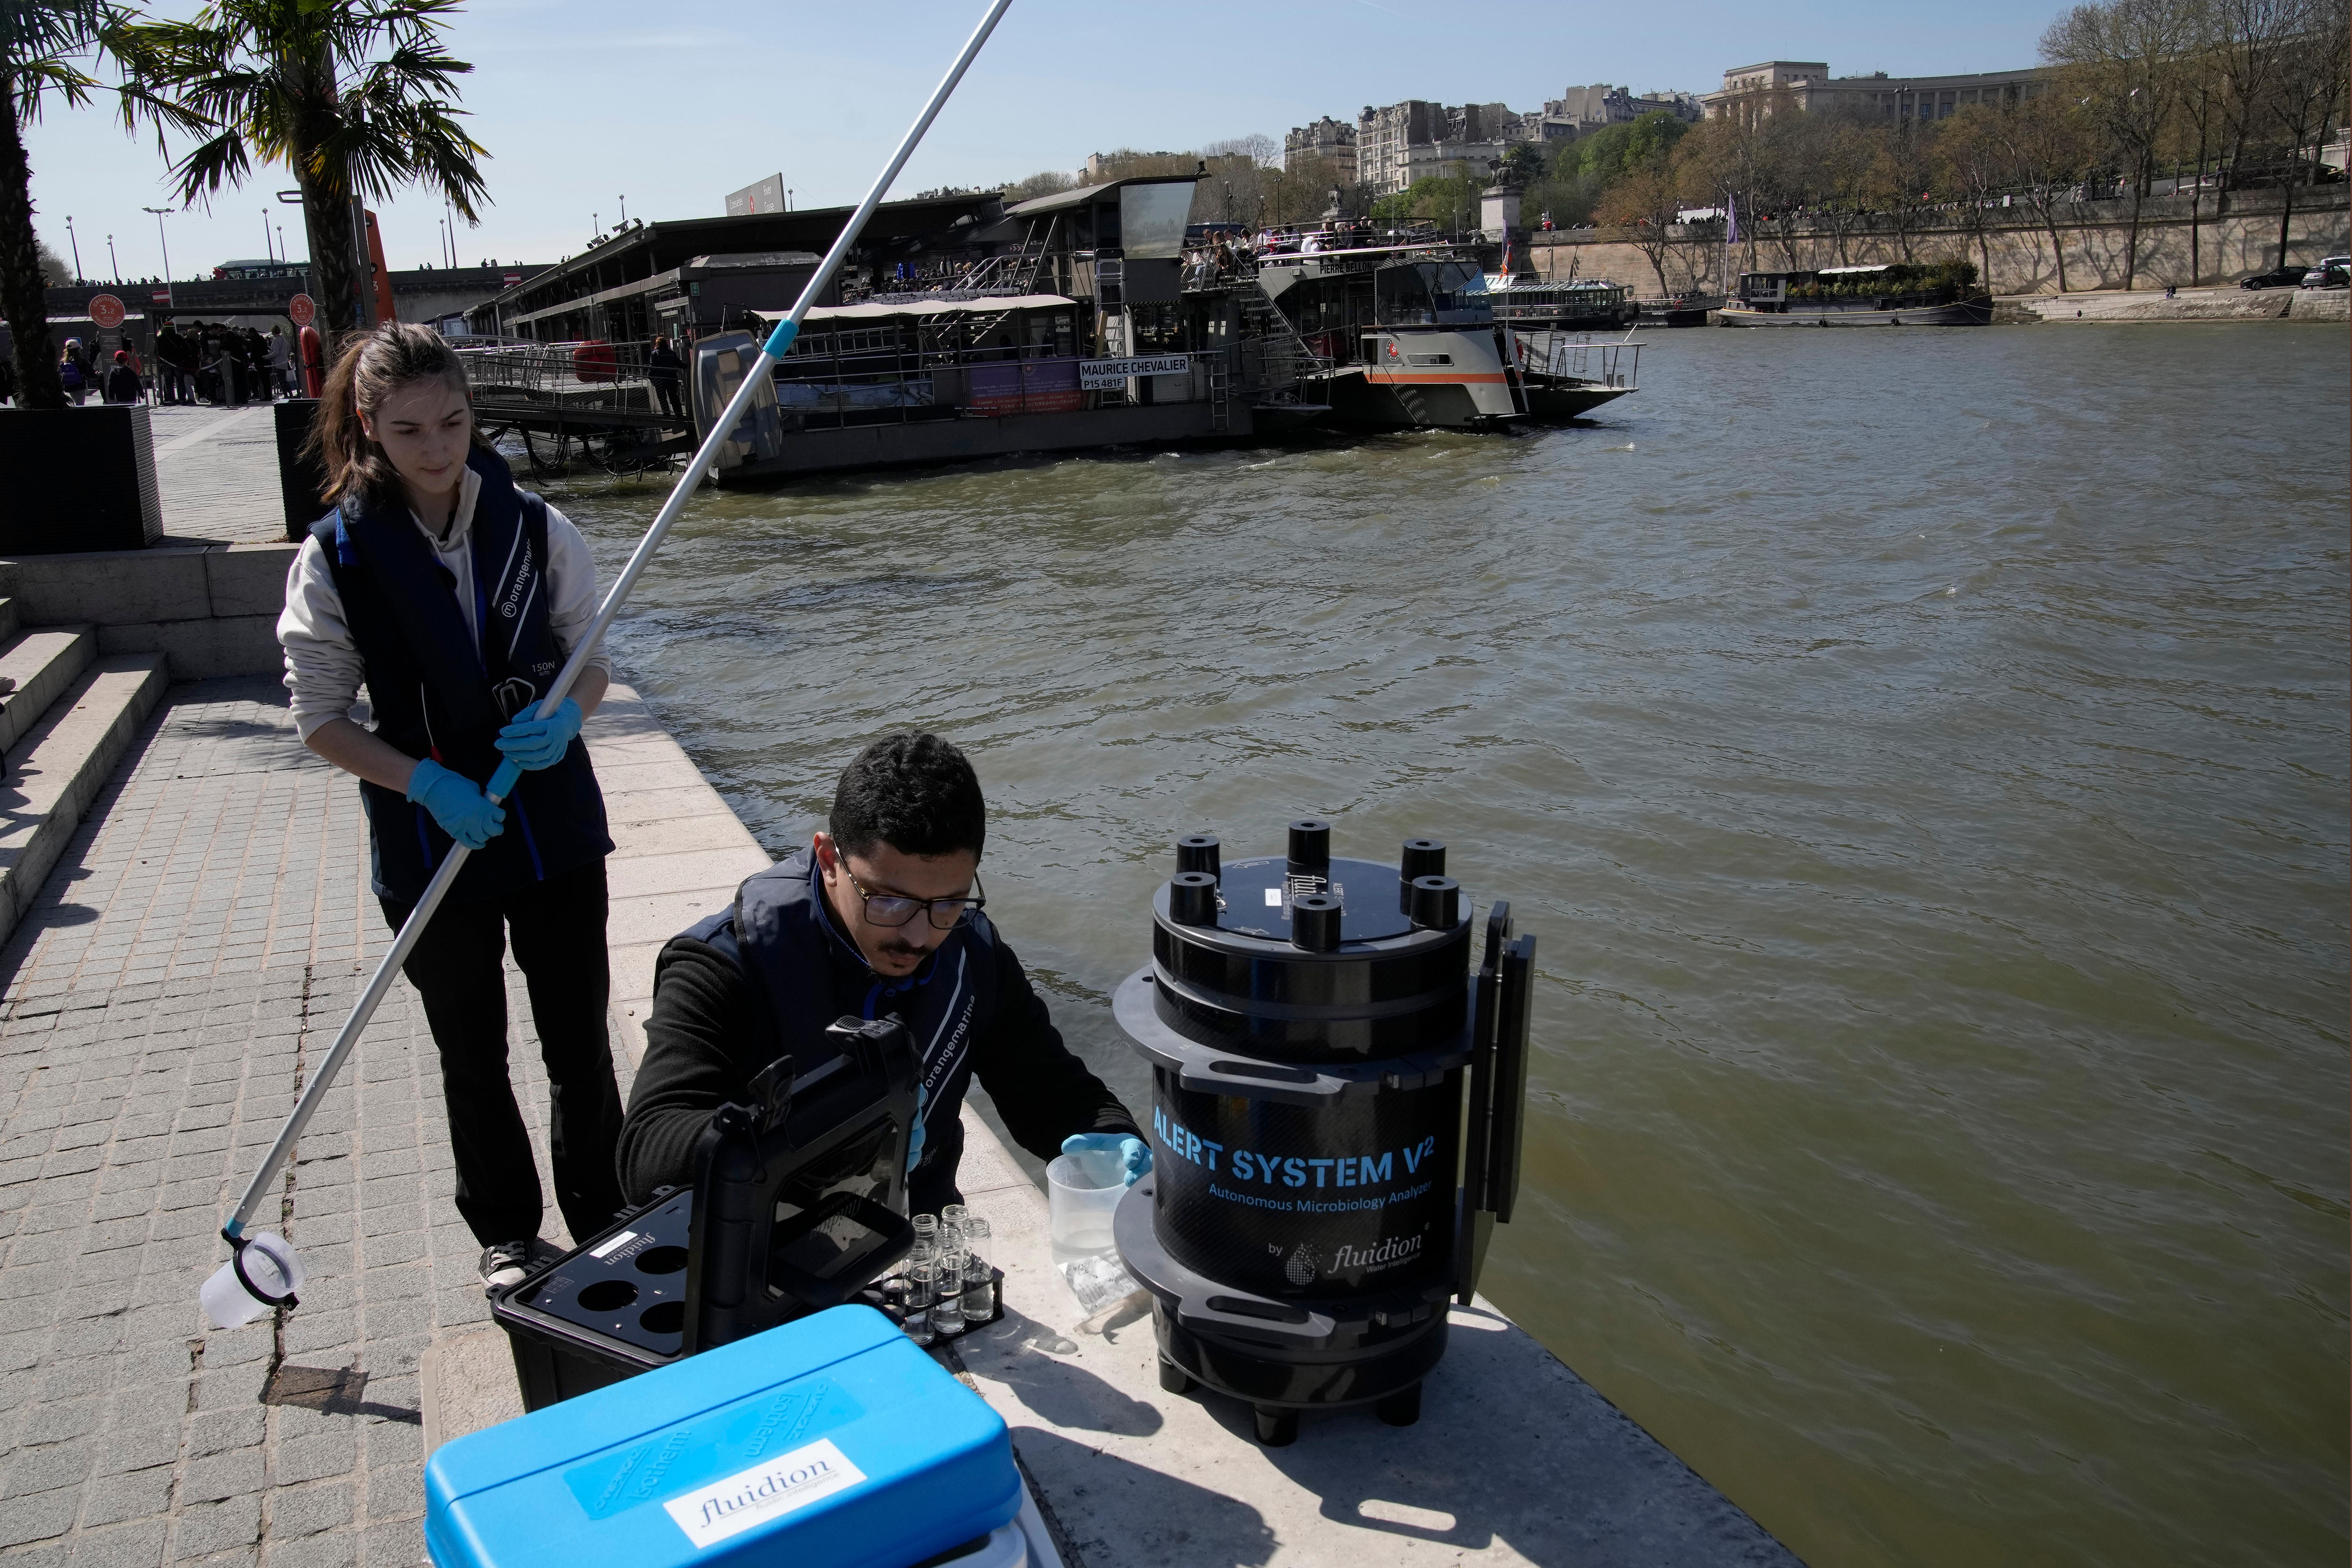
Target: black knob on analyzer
[
  {"x": 1311, "y": 842},
  {"x": 1315, "y": 922},
  {"x": 1436, "y": 903},
  {"x": 1198, "y": 852},
  {"x": 1423, "y": 857},
  {"x": 1192, "y": 898}
]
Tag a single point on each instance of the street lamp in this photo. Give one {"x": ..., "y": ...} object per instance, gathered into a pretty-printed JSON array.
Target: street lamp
[
  {"x": 76, "y": 246},
  {"x": 624, "y": 212},
  {"x": 265, "y": 235},
  {"x": 113, "y": 268},
  {"x": 166, "y": 244}
]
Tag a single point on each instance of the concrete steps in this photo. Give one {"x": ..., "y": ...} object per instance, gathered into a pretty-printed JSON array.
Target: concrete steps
[
  {"x": 44, "y": 662},
  {"x": 67, "y": 752}
]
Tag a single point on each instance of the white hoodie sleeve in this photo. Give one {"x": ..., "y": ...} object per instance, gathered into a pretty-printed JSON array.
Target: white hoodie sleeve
[
  {"x": 572, "y": 597},
  {"x": 323, "y": 667}
]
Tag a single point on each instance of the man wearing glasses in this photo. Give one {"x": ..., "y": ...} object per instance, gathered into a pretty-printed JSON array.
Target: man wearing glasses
[{"x": 879, "y": 916}]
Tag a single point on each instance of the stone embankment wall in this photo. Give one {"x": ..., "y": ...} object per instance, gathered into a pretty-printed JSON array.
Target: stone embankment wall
[{"x": 2095, "y": 235}]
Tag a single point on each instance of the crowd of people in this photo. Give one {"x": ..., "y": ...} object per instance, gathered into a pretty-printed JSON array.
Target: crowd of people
[
  {"x": 214, "y": 362},
  {"x": 223, "y": 364}
]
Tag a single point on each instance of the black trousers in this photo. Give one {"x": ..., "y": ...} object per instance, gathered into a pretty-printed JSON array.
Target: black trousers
[
  {"x": 557, "y": 929},
  {"x": 673, "y": 402}
]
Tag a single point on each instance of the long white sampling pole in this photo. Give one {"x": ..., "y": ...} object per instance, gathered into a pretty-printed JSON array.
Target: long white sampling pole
[{"x": 503, "y": 781}]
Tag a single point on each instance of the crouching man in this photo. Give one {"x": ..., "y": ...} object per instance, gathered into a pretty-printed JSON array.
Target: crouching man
[{"x": 879, "y": 916}]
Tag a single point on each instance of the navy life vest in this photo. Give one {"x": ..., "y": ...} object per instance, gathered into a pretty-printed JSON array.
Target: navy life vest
[
  {"x": 785, "y": 943},
  {"x": 436, "y": 693}
]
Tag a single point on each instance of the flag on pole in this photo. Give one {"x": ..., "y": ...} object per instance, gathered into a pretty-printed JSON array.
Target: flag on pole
[{"x": 1731, "y": 220}]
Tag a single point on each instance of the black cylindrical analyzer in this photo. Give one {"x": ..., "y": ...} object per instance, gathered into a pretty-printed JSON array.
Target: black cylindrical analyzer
[{"x": 1309, "y": 1021}]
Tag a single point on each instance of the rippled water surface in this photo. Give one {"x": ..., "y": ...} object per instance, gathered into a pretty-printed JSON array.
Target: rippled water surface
[{"x": 1923, "y": 759}]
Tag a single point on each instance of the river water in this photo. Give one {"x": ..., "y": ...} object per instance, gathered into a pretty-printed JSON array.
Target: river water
[{"x": 1923, "y": 759}]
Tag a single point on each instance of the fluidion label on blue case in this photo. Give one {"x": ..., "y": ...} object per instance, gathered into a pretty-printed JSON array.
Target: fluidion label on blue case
[{"x": 749, "y": 1499}]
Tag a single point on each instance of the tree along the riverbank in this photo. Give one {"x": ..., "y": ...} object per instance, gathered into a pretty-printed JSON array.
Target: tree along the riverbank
[
  {"x": 42, "y": 43},
  {"x": 2145, "y": 96},
  {"x": 355, "y": 98}
]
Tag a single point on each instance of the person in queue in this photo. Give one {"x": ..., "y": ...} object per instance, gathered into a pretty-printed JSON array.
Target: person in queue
[
  {"x": 457, "y": 596},
  {"x": 880, "y": 915}
]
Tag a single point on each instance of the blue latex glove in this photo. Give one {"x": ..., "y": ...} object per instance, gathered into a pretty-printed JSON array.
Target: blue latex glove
[
  {"x": 914, "y": 1143},
  {"x": 534, "y": 743},
  {"x": 1132, "y": 1151},
  {"x": 457, "y": 803}
]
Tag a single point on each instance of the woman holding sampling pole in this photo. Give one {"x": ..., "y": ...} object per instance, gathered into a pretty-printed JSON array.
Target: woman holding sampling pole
[
  {"x": 456, "y": 597},
  {"x": 279, "y": 1269}
]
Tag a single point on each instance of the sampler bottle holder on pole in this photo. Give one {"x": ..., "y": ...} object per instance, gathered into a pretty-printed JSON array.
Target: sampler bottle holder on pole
[
  {"x": 1318, "y": 1187},
  {"x": 799, "y": 1203}
]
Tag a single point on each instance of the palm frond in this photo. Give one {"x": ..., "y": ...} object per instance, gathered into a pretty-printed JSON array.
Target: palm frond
[
  {"x": 210, "y": 165},
  {"x": 31, "y": 81}
]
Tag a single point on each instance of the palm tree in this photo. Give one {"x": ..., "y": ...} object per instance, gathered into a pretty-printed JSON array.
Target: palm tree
[
  {"x": 353, "y": 97},
  {"x": 39, "y": 42}
]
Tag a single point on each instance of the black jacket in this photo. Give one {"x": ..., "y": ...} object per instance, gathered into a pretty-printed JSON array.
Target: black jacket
[
  {"x": 713, "y": 1026},
  {"x": 438, "y": 691}
]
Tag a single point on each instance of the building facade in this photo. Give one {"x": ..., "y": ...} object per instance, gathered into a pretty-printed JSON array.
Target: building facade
[
  {"x": 1333, "y": 142},
  {"x": 1751, "y": 90},
  {"x": 1591, "y": 108},
  {"x": 1402, "y": 143}
]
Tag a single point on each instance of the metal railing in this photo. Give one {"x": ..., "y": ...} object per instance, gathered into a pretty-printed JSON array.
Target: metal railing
[
  {"x": 575, "y": 377},
  {"x": 1577, "y": 357}
]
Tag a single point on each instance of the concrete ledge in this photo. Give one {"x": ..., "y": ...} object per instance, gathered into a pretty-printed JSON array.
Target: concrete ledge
[
  {"x": 2321, "y": 305},
  {"x": 1515, "y": 1460},
  {"x": 211, "y": 610},
  {"x": 2108, "y": 306},
  {"x": 199, "y": 650},
  {"x": 247, "y": 579},
  {"x": 677, "y": 851},
  {"x": 73, "y": 749}
]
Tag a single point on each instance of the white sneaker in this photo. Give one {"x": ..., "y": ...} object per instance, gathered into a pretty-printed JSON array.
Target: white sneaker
[{"x": 504, "y": 1265}]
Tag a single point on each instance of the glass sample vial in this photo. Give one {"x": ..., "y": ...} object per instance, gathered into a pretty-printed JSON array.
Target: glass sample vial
[
  {"x": 979, "y": 1280},
  {"x": 947, "y": 1308},
  {"x": 922, "y": 1293},
  {"x": 927, "y": 1229}
]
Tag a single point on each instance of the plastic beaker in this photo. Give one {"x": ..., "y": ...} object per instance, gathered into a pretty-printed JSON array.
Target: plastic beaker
[
  {"x": 1082, "y": 1189},
  {"x": 271, "y": 1263}
]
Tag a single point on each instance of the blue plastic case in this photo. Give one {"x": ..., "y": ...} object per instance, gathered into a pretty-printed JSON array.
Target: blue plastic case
[{"x": 832, "y": 1442}]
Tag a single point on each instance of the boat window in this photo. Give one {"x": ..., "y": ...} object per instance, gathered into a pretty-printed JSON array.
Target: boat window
[{"x": 1152, "y": 218}]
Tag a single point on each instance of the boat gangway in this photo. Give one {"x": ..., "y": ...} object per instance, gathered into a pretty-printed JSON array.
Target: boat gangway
[{"x": 599, "y": 394}]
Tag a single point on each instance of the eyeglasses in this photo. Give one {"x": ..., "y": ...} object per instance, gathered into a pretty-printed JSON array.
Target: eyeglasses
[{"x": 897, "y": 909}]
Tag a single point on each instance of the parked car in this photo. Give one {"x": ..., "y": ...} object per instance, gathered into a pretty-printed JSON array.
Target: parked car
[
  {"x": 2276, "y": 278},
  {"x": 2333, "y": 272}
]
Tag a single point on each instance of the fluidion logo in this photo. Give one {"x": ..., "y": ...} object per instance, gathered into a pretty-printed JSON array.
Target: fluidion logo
[{"x": 750, "y": 1497}]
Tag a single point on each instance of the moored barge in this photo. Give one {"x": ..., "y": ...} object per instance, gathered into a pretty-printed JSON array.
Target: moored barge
[{"x": 1893, "y": 294}]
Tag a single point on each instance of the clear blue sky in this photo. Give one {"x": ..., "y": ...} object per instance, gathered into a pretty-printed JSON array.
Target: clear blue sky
[{"x": 673, "y": 105}]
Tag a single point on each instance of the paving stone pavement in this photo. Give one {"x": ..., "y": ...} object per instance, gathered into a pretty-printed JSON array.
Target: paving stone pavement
[
  {"x": 217, "y": 471},
  {"x": 201, "y": 942}
]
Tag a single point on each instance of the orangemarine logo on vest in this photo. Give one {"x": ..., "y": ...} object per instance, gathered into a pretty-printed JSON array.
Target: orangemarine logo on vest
[{"x": 512, "y": 605}]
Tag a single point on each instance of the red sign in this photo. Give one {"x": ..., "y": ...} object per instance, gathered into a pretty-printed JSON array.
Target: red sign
[
  {"x": 511, "y": 279},
  {"x": 301, "y": 309},
  {"x": 106, "y": 311},
  {"x": 160, "y": 296}
]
